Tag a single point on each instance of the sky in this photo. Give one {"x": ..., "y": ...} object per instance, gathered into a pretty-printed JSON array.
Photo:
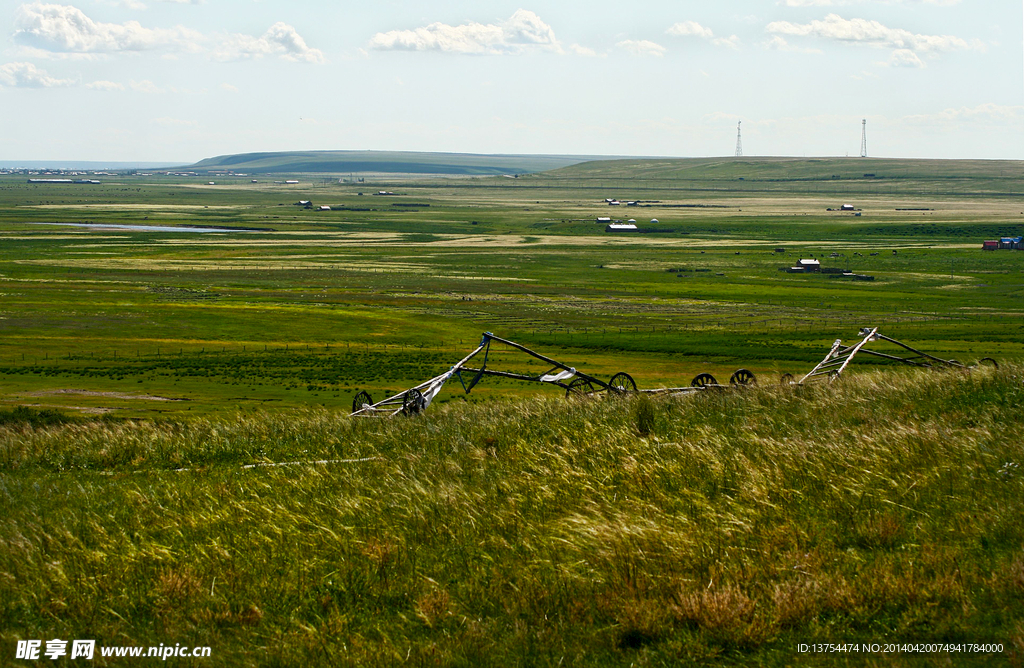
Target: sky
[{"x": 182, "y": 80}]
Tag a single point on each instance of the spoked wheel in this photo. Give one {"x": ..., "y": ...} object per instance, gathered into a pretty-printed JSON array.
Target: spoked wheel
[
  {"x": 579, "y": 387},
  {"x": 622, "y": 382},
  {"x": 413, "y": 402},
  {"x": 743, "y": 377},
  {"x": 361, "y": 401},
  {"x": 989, "y": 361},
  {"x": 786, "y": 379},
  {"x": 703, "y": 380}
]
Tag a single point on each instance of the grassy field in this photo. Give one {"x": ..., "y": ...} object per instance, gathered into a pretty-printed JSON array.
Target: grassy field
[
  {"x": 123, "y": 319},
  {"x": 166, "y": 345},
  {"x": 720, "y": 528}
]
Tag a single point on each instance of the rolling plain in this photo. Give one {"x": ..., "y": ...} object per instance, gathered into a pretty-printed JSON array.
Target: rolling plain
[
  {"x": 164, "y": 393},
  {"x": 287, "y": 306}
]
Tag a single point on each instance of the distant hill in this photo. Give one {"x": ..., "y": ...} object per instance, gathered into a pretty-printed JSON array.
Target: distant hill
[
  {"x": 404, "y": 162},
  {"x": 788, "y": 169}
]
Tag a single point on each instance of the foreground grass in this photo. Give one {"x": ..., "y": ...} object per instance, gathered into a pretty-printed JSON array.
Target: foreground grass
[{"x": 720, "y": 528}]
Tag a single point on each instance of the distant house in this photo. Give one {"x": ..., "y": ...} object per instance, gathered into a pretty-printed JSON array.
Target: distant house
[
  {"x": 632, "y": 203},
  {"x": 1004, "y": 243},
  {"x": 621, "y": 227},
  {"x": 291, "y": 182},
  {"x": 810, "y": 265},
  {"x": 846, "y": 207},
  {"x": 604, "y": 219},
  {"x": 614, "y": 202},
  {"x": 323, "y": 207}
]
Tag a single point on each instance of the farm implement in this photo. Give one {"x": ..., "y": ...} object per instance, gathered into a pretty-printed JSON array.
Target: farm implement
[
  {"x": 840, "y": 356},
  {"x": 473, "y": 367}
]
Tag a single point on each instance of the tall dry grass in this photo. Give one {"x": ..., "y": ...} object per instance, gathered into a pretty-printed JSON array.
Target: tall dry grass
[{"x": 722, "y": 527}]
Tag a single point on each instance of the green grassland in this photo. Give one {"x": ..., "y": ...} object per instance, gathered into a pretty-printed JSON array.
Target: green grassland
[
  {"x": 95, "y": 318},
  {"x": 722, "y": 528},
  {"x": 153, "y": 382}
]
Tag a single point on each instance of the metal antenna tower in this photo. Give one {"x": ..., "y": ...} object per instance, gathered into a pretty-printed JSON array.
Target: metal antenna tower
[
  {"x": 739, "y": 141},
  {"x": 864, "y": 138}
]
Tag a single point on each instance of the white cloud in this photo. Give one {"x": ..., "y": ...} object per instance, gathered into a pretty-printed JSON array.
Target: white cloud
[
  {"x": 582, "y": 51},
  {"x": 68, "y": 29},
  {"x": 22, "y": 51},
  {"x": 730, "y": 42},
  {"x": 522, "y": 31},
  {"x": 690, "y": 28},
  {"x": 905, "y": 58},
  {"x": 694, "y": 29},
  {"x": 869, "y": 33},
  {"x": 280, "y": 40},
  {"x": 105, "y": 85},
  {"x": 779, "y": 43},
  {"x": 27, "y": 75},
  {"x": 642, "y": 47},
  {"x": 983, "y": 113},
  {"x": 63, "y": 29},
  {"x": 129, "y": 4},
  {"x": 229, "y": 88},
  {"x": 146, "y": 86}
]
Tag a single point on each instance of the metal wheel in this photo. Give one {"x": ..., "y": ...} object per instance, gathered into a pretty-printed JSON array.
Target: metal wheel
[
  {"x": 361, "y": 400},
  {"x": 703, "y": 380},
  {"x": 786, "y": 379},
  {"x": 743, "y": 377},
  {"x": 995, "y": 364},
  {"x": 579, "y": 387},
  {"x": 413, "y": 402},
  {"x": 622, "y": 382}
]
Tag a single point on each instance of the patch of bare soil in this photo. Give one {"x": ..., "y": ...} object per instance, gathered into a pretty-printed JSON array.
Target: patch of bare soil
[{"x": 92, "y": 393}]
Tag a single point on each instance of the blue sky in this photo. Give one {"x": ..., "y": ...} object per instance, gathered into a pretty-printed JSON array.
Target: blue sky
[{"x": 179, "y": 80}]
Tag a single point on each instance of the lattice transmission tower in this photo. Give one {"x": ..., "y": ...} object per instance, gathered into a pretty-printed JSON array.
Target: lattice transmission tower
[
  {"x": 739, "y": 141},
  {"x": 864, "y": 138}
]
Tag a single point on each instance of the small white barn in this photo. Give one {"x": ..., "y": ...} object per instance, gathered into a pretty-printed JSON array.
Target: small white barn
[
  {"x": 810, "y": 265},
  {"x": 621, "y": 227}
]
